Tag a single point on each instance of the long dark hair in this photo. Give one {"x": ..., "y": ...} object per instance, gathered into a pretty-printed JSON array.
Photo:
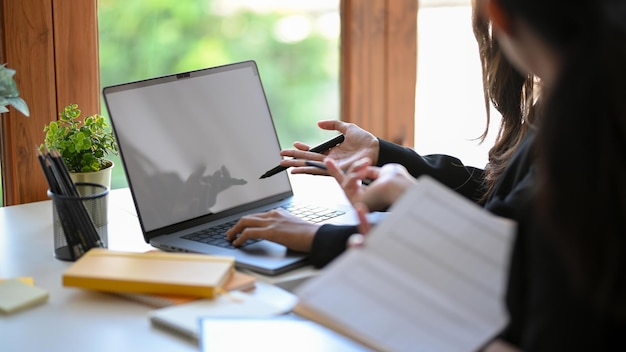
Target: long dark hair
[
  {"x": 582, "y": 141},
  {"x": 510, "y": 93}
]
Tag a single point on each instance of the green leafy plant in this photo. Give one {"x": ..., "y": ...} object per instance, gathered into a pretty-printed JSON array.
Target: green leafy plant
[
  {"x": 83, "y": 146},
  {"x": 9, "y": 95}
]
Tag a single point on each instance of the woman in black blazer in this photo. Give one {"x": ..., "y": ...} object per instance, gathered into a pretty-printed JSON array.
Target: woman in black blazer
[
  {"x": 560, "y": 172},
  {"x": 503, "y": 86},
  {"x": 565, "y": 182}
]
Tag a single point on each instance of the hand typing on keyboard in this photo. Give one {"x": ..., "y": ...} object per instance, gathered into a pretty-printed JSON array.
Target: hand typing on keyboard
[{"x": 292, "y": 227}]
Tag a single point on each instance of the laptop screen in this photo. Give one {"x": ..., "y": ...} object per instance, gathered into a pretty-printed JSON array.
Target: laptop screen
[{"x": 195, "y": 144}]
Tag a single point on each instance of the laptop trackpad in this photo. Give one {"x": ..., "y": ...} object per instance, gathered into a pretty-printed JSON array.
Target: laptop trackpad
[{"x": 263, "y": 256}]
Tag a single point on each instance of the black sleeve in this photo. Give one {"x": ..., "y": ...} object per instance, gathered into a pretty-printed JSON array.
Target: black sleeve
[
  {"x": 448, "y": 170},
  {"x": 329, "y": 242}
]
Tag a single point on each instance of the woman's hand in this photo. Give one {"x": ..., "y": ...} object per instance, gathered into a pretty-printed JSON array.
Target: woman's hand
[
  {"x": 386, "y": 183},
  {"x": 277, "y": 226},
  {"x": 358, "y": 144},
  {"x": 358, "y": 239},
  {"x": 500, "y": 346}
]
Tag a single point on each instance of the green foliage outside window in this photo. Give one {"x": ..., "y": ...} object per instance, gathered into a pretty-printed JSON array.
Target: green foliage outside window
[{"x": 144, "y": 39}]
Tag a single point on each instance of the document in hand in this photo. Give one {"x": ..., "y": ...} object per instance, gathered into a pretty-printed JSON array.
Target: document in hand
[
  {"x": 151, "y": 272},
  {"x": 431, "y": 277}
]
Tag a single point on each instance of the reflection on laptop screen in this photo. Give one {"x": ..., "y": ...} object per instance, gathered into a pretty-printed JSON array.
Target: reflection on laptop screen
[{"x": 196, "y": 144}]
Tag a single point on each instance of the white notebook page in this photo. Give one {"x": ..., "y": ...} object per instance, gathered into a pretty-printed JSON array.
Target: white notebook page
[{"x": 431, "y": 276}]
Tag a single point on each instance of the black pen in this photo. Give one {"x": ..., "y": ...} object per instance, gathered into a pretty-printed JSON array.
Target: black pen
[{"x": 317, "y": 149}]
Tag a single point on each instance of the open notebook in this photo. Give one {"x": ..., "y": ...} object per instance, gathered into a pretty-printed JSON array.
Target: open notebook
[
  {"x": 194, "y": 145},
  {"x": 431, "y": 277}
]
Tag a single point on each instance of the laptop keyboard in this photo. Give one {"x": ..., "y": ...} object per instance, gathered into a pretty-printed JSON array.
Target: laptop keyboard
[{"x": 216, "y": 235}]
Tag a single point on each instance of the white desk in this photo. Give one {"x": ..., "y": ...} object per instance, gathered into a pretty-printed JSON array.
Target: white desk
[{"x": 78, "y": 320}]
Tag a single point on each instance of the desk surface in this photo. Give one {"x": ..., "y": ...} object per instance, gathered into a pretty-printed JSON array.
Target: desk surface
[{"x": 78, "y": 320}]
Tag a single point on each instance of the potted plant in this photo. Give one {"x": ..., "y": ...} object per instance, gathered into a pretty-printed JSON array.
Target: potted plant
[
  {"x": 9, "y": 94},
  {"x": 83, "y": 145}
]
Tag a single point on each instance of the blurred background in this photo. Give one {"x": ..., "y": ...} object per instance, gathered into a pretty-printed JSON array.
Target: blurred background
[{"x": 296, "y": 46}]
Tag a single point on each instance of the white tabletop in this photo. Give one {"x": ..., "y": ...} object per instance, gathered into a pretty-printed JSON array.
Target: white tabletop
[{"x": 78, "y": 320}]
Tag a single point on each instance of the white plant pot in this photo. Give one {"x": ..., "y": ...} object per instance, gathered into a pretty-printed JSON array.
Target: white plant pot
[{"x": 102, "y": 177}]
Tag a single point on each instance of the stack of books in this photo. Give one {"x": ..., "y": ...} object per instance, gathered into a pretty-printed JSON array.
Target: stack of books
[{"x": 154, "y": 272}]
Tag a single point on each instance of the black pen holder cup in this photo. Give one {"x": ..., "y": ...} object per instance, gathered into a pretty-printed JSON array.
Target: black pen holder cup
[{"x": 95, "y": 199}]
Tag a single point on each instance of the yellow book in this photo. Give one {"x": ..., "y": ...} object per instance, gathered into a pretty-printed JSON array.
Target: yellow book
[
  {"x": 237, "y": 281},
  {"x": 151, "y": 272}
]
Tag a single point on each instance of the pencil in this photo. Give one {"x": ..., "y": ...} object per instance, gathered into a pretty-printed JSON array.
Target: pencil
[{"x": 78, "y": 228}]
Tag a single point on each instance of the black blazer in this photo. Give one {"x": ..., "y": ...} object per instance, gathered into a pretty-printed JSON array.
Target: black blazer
[{"x": 546, "y": 312}]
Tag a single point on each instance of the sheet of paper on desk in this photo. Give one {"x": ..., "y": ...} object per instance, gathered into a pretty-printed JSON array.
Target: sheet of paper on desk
[
  {"x": 285, "y": 333},
  {"x": 265, "y": 300},
  {"x": 430, "y": 278}
]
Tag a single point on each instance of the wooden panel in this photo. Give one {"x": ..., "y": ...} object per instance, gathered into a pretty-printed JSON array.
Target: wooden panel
[
  {"x": 362, "y": 63},
  {"x": 379, "y": 65},
  {"x": 28, "y": 48},
  {"x": 401, "y": 65},
  {"x": 53, "y": 45},
  {"x": 76, "y": 46}
]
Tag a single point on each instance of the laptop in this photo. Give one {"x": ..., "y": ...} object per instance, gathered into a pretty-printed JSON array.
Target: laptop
[{"x": 194, "y": 146}]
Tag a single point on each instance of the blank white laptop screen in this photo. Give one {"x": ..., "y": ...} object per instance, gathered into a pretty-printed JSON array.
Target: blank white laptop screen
[{"x": 196, "y": 144}]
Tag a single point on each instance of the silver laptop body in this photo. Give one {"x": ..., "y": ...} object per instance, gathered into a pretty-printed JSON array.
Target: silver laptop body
[{"x": 194, "y": 145}]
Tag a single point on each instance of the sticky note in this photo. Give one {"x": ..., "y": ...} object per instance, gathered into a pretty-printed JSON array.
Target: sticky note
[
  {"x": 16, "y": 295},
  {"x": 25, "y": 279}
]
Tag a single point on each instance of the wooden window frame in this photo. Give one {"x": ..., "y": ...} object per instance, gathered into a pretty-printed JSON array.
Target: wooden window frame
[
  {"x": 379, "y": 67},
  {"x": 53, "y": 46}
]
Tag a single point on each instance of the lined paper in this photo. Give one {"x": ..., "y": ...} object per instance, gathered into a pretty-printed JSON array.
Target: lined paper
[{"x": 431, "y": 276}]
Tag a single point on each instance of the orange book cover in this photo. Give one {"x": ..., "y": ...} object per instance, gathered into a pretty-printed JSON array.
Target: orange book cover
[
  {"x": 150, "y": 272},
  {"x": 237, "y": 281}
]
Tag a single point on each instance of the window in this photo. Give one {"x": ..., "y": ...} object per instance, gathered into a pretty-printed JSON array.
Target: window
[
  {"x": 54, "y": 48},
  {"x": 295, "y": 44},
  {"x": 450, "y": 112}
]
